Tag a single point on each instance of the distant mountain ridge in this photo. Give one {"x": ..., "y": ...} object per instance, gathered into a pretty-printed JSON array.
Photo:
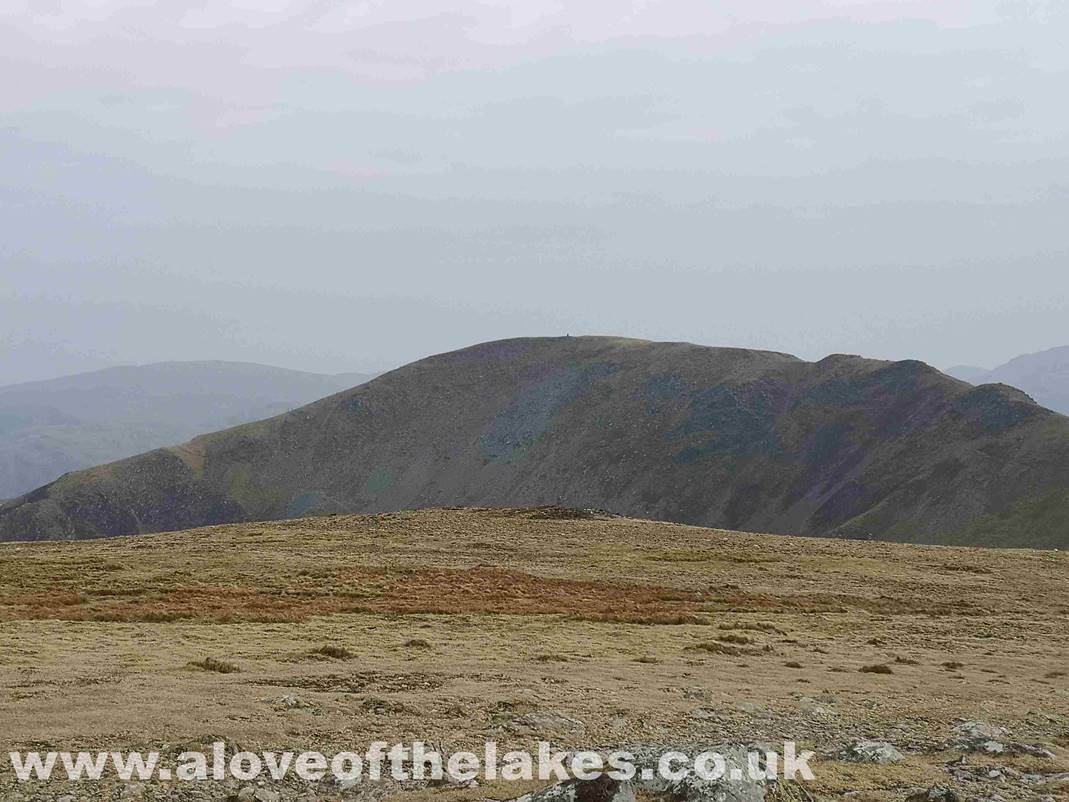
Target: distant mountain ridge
[
  {"x": 57, "y": 425},
  {"x": 1043, "y": 375},
  {"x": 725, "y": 437}
]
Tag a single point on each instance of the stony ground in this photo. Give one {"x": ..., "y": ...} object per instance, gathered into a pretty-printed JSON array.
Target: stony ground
[{"x": 458, "y": 626}]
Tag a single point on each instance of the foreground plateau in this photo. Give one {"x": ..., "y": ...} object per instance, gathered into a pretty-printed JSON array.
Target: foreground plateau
[{"x": 461, "y": 626}]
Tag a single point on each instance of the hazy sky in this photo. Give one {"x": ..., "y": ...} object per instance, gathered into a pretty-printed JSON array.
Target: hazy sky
[{"x": 350, "y": 185}]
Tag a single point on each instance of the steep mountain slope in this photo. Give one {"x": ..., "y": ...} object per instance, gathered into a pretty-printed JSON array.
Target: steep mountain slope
[
  {"x": 50, "y": 427},
  {"x": 725, "y": 437},
  {"x": 1044, "y": 376}
]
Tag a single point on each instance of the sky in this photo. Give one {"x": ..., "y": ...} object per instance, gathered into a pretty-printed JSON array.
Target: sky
[{"x": 337, "y": 186}]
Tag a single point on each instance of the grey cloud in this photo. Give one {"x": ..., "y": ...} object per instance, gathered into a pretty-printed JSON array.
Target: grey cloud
[{"x": 317, "y": 188}]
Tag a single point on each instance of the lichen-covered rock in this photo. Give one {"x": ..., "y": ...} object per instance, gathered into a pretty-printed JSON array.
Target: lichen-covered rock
[
  {"x": 981, "y": 731},
  {"x": 877, "y": 752}
]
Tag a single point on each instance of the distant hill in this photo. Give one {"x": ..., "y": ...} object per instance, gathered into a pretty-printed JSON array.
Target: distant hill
[
  {"x": 50, "y": 427},
  {"x": 1044, "y": 376},
  {"x": 726, "y": 437}
]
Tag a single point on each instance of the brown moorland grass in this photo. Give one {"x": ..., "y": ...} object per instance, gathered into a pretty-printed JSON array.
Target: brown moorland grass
[
  {"x": 333, "y": 652},
  {"x": 646, "y": 632},
  {"x": 315, "y": 574},
  {"x": 877, "y": 668}
]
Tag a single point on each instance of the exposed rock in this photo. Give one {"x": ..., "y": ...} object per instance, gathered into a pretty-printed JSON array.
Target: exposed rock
[
  {"x": 979, "y": 736},
  {"x": 1061, "y": 778},
  {"x": 291, "y": 701},
  {"x": 1034, "y": 750},
  {"x": 602, "y": 789},
  {"x": 982, "y": 731},
  {"x": 546, "y": 721},
  {"x": 878, "y": 752},
  {"x": 815, "y": 701},
  {"x": 937, "y": 793},
  {"x": 735, "y": 786},
  {"x": 993, "y": 746}
]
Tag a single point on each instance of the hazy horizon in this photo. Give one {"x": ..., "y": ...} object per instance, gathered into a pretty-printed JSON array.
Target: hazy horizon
[
  {"x": 388, "y": 367},
  {"x": 348, "y": 187}
]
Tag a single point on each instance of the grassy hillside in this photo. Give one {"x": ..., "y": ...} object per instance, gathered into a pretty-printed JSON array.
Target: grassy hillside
[
  {"x": 721, "y": 437},
  {"x": 48, "y": 428}
]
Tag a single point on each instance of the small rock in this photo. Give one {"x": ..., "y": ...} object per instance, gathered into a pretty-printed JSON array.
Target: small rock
[
  {"x": 982, "y": 731},
  {"x": 133, "y": 791},
  {"x": 1035, "y": 750},
  {"x": 878, "y": 752},
  {"x": 548, "y": 721},
  {"x": 602, "y": 789},
  {"x": 247, "y": 793},
  {"x": 266, "y": 795},
  {"x": 816, "y": 701},
  {"x": 694, "y": 693},
  {"x": 292, "y": 702},
  {"x": 937, "y": 793},
  {"x": 65, "y": 798}
]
